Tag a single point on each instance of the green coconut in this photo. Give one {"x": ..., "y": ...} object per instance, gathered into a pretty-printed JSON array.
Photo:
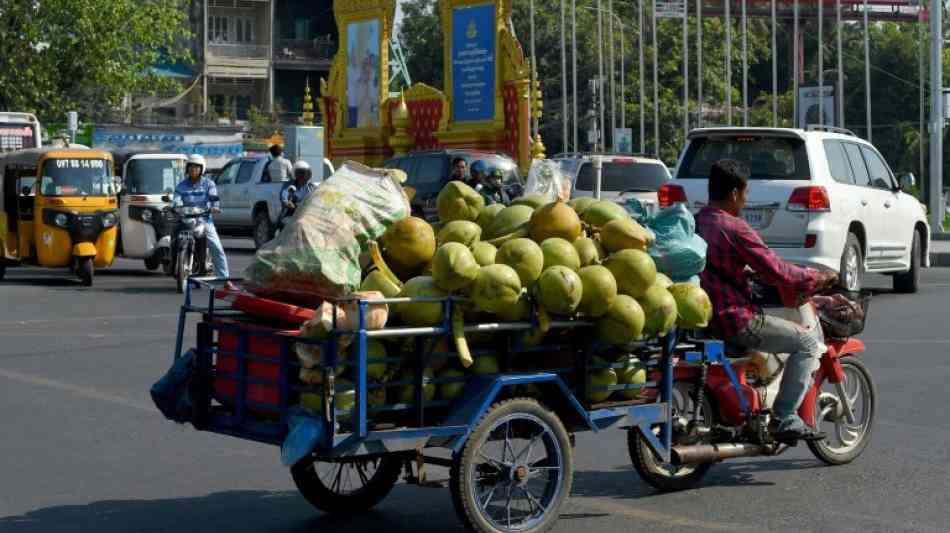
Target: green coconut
[
  {"x": 408, "y": 245},
  {"x": 421, "y": 313},
  {"x": 603, "y": 377},
  {"x": 600, "y": 290},
  {"x": 693, "y": 307},
  {"x": 485, "y": 365},
  {"x": 555, "y": 219},
  {"x": 589, "y": 251},
  {"x": 375, "y": 349},
  {"x": 407, "y": 393},
  {"x": 377, "y": 281},
  {"x": 558, "y": 251},
  {"x": 633, "y": 373},
  {"x": 582, "y": 204},
  {"x": 487, "y": 216},
  {"x": 560, "y": 290},
  {"x": 452, "y": 390},
  {"x": 461, "y": 231},
  {"x": 496, "y": 288},
  {"x": 510, "y": 220},
  {"x": 518, "y": 312},
  {"x": 484, "y": 252},
  {"x": 454, "y": 267},
  {"x": 345, "y": 394},
  {"x": 601, "y": 212},
  {"x": 533, "y": 201},
  {"x": 376, "y": 397},
  {"x": 523, "y": 255},
  {"x": 634, "y": 271},
  {"x": 659, "y": 306},
  {"x": 664, "y": 280},
  {"x": 458, "y": 201},
  {"x": 623, "y": 322},
  {"x": 623, "y": 234}
]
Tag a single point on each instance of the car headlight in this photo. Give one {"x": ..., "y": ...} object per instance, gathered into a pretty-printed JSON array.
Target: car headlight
[
  {"x": 146, "y": 215},
  {"x": 61, "y": 220},
  {"x": 109, "y": 220}
]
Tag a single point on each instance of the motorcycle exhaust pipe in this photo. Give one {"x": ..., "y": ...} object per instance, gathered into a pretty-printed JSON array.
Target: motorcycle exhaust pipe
[{"x": 709, "y": 453}]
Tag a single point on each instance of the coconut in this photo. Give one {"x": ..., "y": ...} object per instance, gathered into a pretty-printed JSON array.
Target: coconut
[
  {"x": 623, "y": 234},
  {"x": 377, "y": 281},
  {"x": 376, "y": 397},
  {"x": 589, "y": 251},
  {"x": 582, "y": 204},
  {"x": 485, "y": 365},
  {"x": 604, "y": 377},
  {"x": 451, "y": 390},
  {"x": 509, "y": 220},
  {"x": 533, "y": 201},
  {"x": 603, "y": 211},
  {"x": 458, "y": 201},
  {"x": 518, "y": 312},
  {"x": 375, "y": 349},
  {"x": 461, "y": 231},
  {"x": 659, "y": 306},
  {"x": 484, "y": 252},
  {"x": 407, "y": 393},
  {"x": 496, "y": 288},
  {"x": 600, "y": 290},
  {"x": 555, "y": 219},
  {"x": 421, "y": 313},
  {"x": 523, "y": 255},
  {"x": 487, "y": 216},
  {"x": 454, "y": 267},
  {"x": 409, "y": 244},
  {"x": 558, "y": 251},
  {"x": 634, "y": 271},
  {"x": 312, "y": 401},
  {"x": 663, "y": 279},
  {"x": 693, "y": 307},
  {"x": 345, "y": 394},
  {"x": 560, "y": 290},
  {"x": 623, "y": 322},
  {"x": 633, "y": 373}
]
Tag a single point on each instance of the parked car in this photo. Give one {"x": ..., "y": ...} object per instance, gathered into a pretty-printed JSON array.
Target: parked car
[
  {"x": 429, "y": 171},
  {"x": 622, "y": 176},
  {"x": 821, "y": 197},
  {"x": 250, "y": 202}
]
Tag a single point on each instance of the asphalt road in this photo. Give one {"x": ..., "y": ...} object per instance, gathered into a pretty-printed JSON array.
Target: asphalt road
[{"x": 84, "y": 450}]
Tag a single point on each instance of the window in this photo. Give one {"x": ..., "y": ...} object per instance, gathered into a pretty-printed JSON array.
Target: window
[
  {"x": 623, "y": 176},
  {"x": 244, "y": 29},
  {"x": 246, "y": 171},
  {"x": 226, "y": 177},
  {"x": 880, "y": 176},
  {"x": 859, "y": 169},
  {"x": 218, "y": 28},
  {"x": 768, "y": 158},
  {"x": 428, "y": 174},
  {"x": 224, "y": 29},
  {"x": 838, "y": 162}
]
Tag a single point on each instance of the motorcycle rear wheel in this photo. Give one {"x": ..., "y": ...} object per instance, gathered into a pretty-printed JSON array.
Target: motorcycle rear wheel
[{"x": 845, "y": 442}]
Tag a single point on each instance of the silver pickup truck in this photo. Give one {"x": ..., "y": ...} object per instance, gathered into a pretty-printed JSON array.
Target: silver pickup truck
[{"x": 250, "y": 202}]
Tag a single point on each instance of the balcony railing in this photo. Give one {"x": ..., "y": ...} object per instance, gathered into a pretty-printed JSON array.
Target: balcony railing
[
  {"x": 239, "y": 51},
  {"x": 302, "y": 50}
]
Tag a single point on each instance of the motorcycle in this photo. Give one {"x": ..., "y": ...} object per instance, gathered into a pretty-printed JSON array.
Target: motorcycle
[
  {"x": 287, "y": 212},
  {"x": 721, "y": 403},
  {"x": 189, "y": 247}
]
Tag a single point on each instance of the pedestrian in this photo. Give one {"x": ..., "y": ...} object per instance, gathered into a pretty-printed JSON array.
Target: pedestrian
[
  {"x": 279, "y": 168},
  {"x": 459, "y": 169},
  {"x": 198, "y": 191}
]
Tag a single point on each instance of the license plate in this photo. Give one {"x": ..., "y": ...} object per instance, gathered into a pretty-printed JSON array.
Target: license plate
[{"x": 757, "y": 218}]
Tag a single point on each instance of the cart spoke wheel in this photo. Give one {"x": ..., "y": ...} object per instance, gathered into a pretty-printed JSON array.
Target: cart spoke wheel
[
  {"x": 345, "y": 486},
  {"x": 515, "y": 470}
]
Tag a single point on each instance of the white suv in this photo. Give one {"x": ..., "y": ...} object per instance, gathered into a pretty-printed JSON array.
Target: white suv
[
  {"x": 622, "y": 176},
  {"x": 821, "y": 197}
]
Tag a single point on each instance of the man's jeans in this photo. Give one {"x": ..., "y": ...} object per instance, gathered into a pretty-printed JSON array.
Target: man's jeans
[
  {"x": 217, "y": 252},
  {"x": 803, "y": 343}
]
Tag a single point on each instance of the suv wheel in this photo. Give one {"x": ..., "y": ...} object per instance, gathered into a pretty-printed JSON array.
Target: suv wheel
[
  {"x": 263, "y": 231},
  {"x": 909, "y": 281},
  {"x": 851, "y": 273}
]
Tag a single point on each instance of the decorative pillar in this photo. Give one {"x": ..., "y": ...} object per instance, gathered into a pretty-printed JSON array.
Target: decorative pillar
[
  {"x": 400, "y": 141},
  {"x": 307, "y": 105}
]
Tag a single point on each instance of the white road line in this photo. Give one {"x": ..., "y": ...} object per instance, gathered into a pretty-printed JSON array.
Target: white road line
[{"x": 85, "y": 392}]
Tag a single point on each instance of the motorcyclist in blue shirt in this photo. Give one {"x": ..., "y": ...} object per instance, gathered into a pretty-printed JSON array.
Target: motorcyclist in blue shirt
[
  {"x": 199, "y": 191},
  {"x": 302, "y": 183}
]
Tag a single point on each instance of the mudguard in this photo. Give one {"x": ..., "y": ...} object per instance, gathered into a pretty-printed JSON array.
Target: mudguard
[{"x": 84, "y": 249}]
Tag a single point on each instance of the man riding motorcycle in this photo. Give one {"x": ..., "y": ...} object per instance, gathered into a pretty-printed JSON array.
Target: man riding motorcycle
[
  {"x": 492, "y": 188},
  {"x": 734, "y": 248},
  {"x": 295, "y": 192},
  {"x": 199, "y": 191}
]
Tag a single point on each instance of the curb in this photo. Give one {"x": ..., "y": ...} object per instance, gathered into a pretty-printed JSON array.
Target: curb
[{"x": 940, "y": 259}]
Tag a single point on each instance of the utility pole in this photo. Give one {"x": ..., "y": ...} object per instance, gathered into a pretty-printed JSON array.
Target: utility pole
[{"x": 936, "y": 116}]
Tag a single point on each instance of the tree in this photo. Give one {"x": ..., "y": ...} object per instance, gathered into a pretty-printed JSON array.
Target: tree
[
  {"x": 421, "y": 37},
  {"x": 87, "y": 55}
]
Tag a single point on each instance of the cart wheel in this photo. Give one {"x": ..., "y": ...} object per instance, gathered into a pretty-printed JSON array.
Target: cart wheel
[
  {"x": 85, "y": 270},
  {"x": 3, "y": 269},
  {"x": 663, "y": 476},
  {"x": 515, "y": 471},
  {"x": 153, "y": 262},
  {"x": 346, "y": 486}
]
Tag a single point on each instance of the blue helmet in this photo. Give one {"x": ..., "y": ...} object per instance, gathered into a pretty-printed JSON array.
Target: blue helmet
[{"x": 479, "y": 168}]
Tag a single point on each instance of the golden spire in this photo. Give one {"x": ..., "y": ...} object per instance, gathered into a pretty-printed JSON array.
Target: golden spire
[{"x": 307, "y": 105}]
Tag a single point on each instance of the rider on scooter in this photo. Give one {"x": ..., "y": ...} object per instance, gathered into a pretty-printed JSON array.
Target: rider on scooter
[
  {"x": 302, "y": 184},
  {"x": 199, "y": 191},
  {"x": 732, "y": 247}
]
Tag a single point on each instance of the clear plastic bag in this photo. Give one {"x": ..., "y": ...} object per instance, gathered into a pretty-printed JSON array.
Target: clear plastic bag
[{"x": 547, "y": 178}]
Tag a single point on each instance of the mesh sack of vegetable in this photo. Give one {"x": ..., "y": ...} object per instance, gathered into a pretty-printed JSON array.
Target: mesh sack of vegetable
[{"x": 317, "y": 255}]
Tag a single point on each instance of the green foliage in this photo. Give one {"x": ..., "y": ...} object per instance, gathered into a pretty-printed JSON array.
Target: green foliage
[
  {"x": 421, "y": 37},
  {"x": 87, "y": 55}
]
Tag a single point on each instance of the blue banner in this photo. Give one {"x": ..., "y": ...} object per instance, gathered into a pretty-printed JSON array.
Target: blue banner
[{"x": 473, "y": 63}]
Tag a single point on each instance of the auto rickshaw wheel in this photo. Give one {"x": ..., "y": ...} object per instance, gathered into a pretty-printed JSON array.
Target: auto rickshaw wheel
[
  {"x": 85, "y": 269},
  {"x": 152, "y": 263}
]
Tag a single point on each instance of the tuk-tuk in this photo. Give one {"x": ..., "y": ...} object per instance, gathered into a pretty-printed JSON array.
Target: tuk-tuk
[
  {"x": 144, "y": 227},
  {"x": 58, "y": 208}
]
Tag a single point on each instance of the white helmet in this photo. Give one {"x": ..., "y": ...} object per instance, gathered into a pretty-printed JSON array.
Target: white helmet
[
  {"x": 301, "y": 165},
  {"x": 196, "y": 159}
]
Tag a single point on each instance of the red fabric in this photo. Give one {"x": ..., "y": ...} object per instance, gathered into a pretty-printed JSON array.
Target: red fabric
[{"x": 732, "y": 246}]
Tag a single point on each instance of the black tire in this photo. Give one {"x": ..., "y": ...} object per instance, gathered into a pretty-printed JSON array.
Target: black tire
[
  {"x": 668, "y": 478},
  {"x": 263, "y": 230},
  {"x": 333, "y": 499},
  {"x": 852, "y": 265},
  {"x": 153, "y": 262},
  {"x": 822, "y": 450},
  {"x": 183, "y": 271},
  {"x": 909, "y": 282},
  {"x": 86, "y": 271},
  {"x": 519, "y": 417},
  {"x": 3, "y": 268}
]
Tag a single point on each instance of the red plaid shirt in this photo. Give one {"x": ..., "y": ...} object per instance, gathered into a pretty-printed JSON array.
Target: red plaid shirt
[{"x": 733, "y": 245}]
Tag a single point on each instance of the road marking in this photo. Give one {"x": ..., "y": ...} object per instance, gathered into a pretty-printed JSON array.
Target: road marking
[
  {"x": 662, "y": 518},
  {"x": 83, "y": 319},
  {"x": 85, "y": 392}
]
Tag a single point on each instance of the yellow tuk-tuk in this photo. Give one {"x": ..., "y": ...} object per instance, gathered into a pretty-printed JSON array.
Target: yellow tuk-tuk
[{"x": 58, "y": 208}]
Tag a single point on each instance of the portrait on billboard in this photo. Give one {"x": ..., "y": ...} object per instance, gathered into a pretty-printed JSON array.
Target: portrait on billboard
[{"x": 362, "y": 74}]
